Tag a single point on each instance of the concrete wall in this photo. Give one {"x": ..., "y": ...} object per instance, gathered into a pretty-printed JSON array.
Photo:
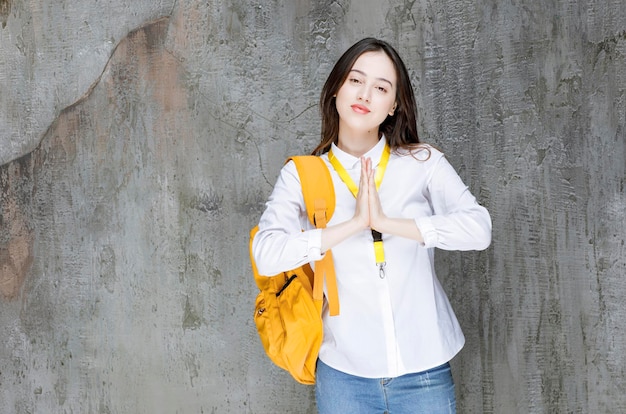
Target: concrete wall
[{"x": 140, "y": 139}]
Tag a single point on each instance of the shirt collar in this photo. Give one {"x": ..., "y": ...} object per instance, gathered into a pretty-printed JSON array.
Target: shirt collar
[{"x": 350, "y": 161}]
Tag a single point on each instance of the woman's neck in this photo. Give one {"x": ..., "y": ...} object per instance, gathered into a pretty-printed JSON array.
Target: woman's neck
[{"x": 357, "y": 144}]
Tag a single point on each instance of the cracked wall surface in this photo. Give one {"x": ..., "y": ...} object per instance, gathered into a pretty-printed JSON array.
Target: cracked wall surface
[{"x": 139, "y": 141}]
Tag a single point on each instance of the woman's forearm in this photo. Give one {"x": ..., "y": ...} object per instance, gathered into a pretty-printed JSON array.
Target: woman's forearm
[
  {"x": 399, "y": 227},
  {"x": 333, "y": 235}
]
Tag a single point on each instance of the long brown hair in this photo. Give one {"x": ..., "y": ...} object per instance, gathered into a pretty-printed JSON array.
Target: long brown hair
[{"x": 400, "y": 129}]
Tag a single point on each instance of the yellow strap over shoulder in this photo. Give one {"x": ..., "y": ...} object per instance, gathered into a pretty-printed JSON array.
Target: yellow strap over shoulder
[
  {"x": 317, "y": 188},
  {"x": 319, "y": 198}
]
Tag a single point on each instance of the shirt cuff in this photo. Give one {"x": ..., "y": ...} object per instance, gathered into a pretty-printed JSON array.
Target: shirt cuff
[
  {"x": 314, "y": 247},
  {"x": 429, "y": 233}
]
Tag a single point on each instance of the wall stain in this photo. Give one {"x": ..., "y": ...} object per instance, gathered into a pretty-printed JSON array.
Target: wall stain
[
  {"x": 5, "y": 10},
  {"x": 106, "y": 261},
  {"x": 191, "y": 320},
  {"x": 21, "y": 179},
  {"x": 16, "y": 234},
  {"x": 208, "y": 203}
]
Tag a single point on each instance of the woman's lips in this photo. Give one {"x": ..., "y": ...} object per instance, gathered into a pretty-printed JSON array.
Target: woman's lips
[{"x": 360, "y": 109}]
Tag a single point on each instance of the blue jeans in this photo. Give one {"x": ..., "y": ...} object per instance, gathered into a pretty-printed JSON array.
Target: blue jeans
[{"x": 429, "y": 392}]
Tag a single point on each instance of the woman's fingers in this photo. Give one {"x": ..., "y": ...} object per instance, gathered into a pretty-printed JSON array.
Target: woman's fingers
[
  {"x": 362, "y": 198},
  {"x": 374, "y": 207}
]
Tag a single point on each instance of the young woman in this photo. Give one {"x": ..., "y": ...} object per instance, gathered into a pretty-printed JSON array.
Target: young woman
[{"x": 388, "y": 349}]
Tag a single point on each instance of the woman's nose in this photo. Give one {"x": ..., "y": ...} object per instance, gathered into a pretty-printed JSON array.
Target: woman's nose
[{"x": 364, "y": 94}]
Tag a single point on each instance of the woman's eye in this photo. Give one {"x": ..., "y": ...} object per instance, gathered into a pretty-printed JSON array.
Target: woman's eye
[
  {"x": 382, "y": 89},
  {"x": 355, "y": 80}
]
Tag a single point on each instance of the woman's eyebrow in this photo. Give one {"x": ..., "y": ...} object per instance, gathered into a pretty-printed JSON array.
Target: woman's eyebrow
[{"x": 364, "y": 74}]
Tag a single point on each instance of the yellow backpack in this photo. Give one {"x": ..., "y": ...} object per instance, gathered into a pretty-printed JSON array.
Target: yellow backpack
[{"x": 289, "y": 305}]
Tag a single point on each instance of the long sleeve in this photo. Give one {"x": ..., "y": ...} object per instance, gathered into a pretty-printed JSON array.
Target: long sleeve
[
  {"x": 458, "y": 221},
  {"x": 285, "y": 239}
]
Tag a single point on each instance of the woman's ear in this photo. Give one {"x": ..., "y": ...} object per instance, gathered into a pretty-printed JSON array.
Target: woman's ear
[{"x": 393, "y": 110}]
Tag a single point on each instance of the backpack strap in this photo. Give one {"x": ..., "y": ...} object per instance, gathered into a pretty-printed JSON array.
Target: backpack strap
[
  {"x": 317, "y": 188},
  {"x": 319, "y": 199}
]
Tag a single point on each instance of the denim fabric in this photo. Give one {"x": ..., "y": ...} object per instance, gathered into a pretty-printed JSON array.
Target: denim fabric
[{"x": 429, "y": 392}]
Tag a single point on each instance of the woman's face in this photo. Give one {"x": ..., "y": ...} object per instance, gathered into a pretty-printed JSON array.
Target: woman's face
[{"x": 368, "y": 95}]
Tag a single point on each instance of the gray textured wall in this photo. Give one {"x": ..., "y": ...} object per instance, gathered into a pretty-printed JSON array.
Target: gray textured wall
[{"x": 139, "y": 140}]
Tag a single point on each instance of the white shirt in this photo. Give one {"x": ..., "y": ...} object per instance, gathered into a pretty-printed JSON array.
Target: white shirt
[{"x": 402, "y": 323}]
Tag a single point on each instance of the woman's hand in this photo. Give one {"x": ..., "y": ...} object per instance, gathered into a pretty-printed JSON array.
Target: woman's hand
[
  {"x": 361, "y": 212},
  {"x": 368, "y": 214},
  {"x": 376, "y": 214},
  {"x": 377, "y": 219},
  {"x": 333, "y": 235}
]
